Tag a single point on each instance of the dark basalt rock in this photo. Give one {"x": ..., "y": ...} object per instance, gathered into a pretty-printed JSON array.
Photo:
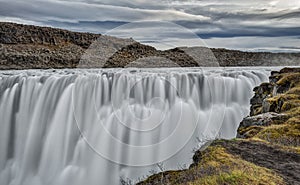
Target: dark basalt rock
[
  {"x": 261, "y": 93},
  {"x": 240, "y": 58},
  {"x": 11, "y": 33},
  {"x": 261, "y": 102},
  {"x": 251, "y": 125},
  {"x": 265, "y": 119}
]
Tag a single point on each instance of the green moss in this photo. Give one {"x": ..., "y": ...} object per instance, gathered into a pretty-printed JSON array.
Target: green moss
[
  {"x": 294, "y": 112},
  {"x": 283, "y": 102},
  {"x": 290, "y": 99},
  {"x": 294, "y": 120},
  {"x": 237, "y": 177},
  {"x": 289, "y": 78},
  {"x": 283, "y": 97},
  {"x": 230, "y": 169},
  {"x": 251, "y": 131},
  {"x": 218, "y": 167},
  {"x": 294, "y": 90},
  {"x": 290, "y": 104},
  {"x": 286, "y": 135}
]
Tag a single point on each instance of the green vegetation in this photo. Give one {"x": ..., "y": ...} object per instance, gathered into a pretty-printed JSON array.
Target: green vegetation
[
  {"x": 229, "y": 169},
  {"x": 292, "y": 78},
  {"x": 218, "y": 167},
  {"x": 288, "y": 103},
  {"x": 286, "y": 135}
]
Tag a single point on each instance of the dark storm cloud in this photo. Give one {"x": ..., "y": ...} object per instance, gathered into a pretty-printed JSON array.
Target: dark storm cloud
[
  {"x": 207, "y": 18},
  {"x": 252, "y": 31},
  {"x": 81, "y": 11},
  {"x": 290, "y": 47}
]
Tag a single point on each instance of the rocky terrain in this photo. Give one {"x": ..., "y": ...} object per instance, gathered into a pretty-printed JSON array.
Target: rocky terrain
[
  {"x": 26, "y": 47},
  {"x": 239, "y": 58},
  {"x": 267, "y": 150}
]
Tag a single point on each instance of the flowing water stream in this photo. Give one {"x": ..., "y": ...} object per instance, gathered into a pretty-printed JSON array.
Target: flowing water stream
[{"x": 96, "y": 127}]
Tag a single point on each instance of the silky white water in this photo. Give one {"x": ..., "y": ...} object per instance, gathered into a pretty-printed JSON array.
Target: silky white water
[{"x": 101, "y": 127}]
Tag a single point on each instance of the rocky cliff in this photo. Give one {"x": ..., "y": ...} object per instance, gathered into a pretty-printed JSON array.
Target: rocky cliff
[
  {"x": 275, "y": 110},
  {"x": 25, "y": 47},
  {"x": 267, "y": 150},
  {"x": 239, "y": 58}
]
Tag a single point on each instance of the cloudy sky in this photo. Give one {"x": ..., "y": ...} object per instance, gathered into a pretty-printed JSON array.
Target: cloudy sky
[{"x": 272, "y": 25}]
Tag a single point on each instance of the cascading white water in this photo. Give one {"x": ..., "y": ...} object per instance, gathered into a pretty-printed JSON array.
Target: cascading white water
[{"x": 96, "y": 127}]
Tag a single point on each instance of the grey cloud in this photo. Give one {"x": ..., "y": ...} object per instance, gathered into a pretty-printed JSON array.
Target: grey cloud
[
  {"x": 209, "y": 19},
  {"x": 290, "y": 47},
  {"x": 81, "y": 11}
]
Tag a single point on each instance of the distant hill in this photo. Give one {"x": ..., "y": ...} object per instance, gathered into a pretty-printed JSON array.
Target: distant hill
[{"x": 26, "y": 47}]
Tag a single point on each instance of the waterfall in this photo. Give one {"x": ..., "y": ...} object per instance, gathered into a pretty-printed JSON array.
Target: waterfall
[{"x": 96, "y": 126}]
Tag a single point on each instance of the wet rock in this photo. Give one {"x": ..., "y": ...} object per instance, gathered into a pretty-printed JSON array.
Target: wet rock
[
  {"x": 264, "y": 119},
  {"x": 258, "y": 104}
]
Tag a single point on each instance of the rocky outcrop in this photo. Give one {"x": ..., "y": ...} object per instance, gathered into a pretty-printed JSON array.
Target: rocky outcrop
[
  {"x": 129, "y": 54},
  {"x": 274, "y": 96},
  {"x": 261, "y": 93},
  {"x": 275, "y": 111},
  {"x": 240, "y": 58},
  {"x": 26, "y": 47},
  {"x": 252, "y": 125},
  {"x": 30, "y": 47},
  {"x": 265, "y": 119},
  {"x": 11, "y": 33}
]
